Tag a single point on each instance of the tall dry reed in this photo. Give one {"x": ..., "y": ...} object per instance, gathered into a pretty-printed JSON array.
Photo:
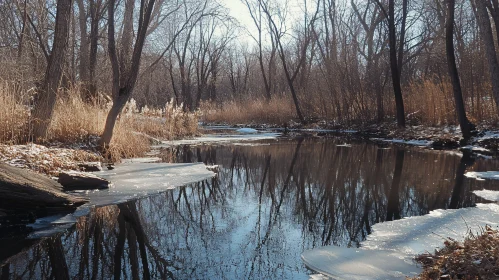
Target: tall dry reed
[
  {"x": 77, "y": 121},
  {"x": 428, "y": 103}
]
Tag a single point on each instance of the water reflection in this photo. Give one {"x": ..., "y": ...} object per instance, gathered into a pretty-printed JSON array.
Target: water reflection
[{"x": 267, "y": 205}]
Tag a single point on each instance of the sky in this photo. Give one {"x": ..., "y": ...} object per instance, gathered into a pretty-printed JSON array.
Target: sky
[{"x": 240, "y": 12}]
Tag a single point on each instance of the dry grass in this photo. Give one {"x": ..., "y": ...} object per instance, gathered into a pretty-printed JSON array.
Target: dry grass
[
  {"x": 14, "y": 114},
  {"x": 279, "y": 110},
  {"x": 475, "y": 258},
  {"x": 433, "y": 104},
  {"x": 429, "y": 103},
  {"x": 76, "y": 121}
]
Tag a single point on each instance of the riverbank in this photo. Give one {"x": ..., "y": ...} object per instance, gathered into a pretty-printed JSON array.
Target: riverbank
[
  {"x": 485, "y": 140},
  {"x": 474, "y": 258}
]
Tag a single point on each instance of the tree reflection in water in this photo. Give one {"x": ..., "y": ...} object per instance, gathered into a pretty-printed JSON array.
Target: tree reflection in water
[{"x": 266, "y": 206}]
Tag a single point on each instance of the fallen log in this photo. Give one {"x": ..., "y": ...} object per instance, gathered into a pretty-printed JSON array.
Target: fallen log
[
  {"x": 73, "y": 180},
  {"x": 90, "y": 166},
  {"x": 25, "y": 190}
]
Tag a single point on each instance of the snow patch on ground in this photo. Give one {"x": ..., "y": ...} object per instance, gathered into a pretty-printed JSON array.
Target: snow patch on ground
[
  {"x": 47, "y": 160},
  {"x": 414, "y": 235},
  {"x": 487, "y": 175},
  {"x": 405, "y": 238},
  {"x": 488, "y": 195}
]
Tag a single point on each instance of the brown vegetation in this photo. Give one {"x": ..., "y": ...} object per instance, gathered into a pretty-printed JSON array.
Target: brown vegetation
[
  {"x": 330, "y": 60},
  {"x": 475, "y": 258},
  {"x": 77, "y": 123},
  {"x": 428, "y": 103}
]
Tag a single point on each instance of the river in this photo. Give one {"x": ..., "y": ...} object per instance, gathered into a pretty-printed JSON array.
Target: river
[{"x": 270, "y": 201}]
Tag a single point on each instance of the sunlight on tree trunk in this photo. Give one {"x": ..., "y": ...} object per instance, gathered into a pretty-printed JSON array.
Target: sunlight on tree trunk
[
  {"x": 124, "y": 83},
  {"x": 45, "y": 103}
]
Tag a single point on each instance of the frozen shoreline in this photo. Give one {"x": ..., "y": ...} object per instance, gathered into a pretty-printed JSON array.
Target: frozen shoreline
[
  {"x": 131, "y": 180},
  {"x": 403, "y": 240}
]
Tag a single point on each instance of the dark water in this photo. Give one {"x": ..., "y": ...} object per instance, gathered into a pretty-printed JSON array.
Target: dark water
[{"x": 267, "y": 205}]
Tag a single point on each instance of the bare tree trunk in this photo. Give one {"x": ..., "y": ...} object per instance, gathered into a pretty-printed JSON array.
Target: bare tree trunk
[
  {"x": 95, "y": 16},
  {"x": 394, "y": 65},
  {"x": 45, "y": 103},
  {"x": 256, "y": 15},
  {"x": 453, "y": 73},
  {"x": 276, "y": 34},
  {"x": 488, "y": 40},
  {"x": 23, "y": 30},
  {"x": 84, "y": 52},
  {"x": 124, "y": 83}
]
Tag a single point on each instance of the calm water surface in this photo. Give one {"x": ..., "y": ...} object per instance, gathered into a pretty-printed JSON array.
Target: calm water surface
[{"x": 268, "y": 204}]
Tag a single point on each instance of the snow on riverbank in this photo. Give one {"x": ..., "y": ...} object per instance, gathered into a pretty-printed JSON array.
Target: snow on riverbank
[
  {"x": 402, "y": 239},
  {"x": 47, "y": 160}
]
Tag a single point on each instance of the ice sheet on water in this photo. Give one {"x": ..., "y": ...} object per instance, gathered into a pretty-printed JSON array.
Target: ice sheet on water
[
  {"x": 488, "y": 195},
  {"x": 474, "y": 148},
  {"x": 221, "y": 138},
  {"x": 407, "y": 142},
  {"x": 358, "y": 263},
  {"x": 247, "y": 130},
  {"x": 419, "y": 234},
  {"x": 487, "y": 175},
  {"x": 142, "y": 160},
  {"x": 344, "y": 145},
  {"x": 130, "y": 180},
  {"x": 134, "y": 179},
  {"x": 406, "y": 237}
]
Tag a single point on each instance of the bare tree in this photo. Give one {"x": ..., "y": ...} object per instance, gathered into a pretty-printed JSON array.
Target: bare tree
[
  {"x": 369, "y": 52},
  {"x": 396, "y": 59},
  {"x": 124, "y": 78},
  {"x": 277, "y": 29},
  {"x": 266, "y": 69},
  {"x": 88, "y": 44},
  {"x": 453, "y": 73},
  {"x": 490, "y": 49},
  {"x": 45, "y": 103}
]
